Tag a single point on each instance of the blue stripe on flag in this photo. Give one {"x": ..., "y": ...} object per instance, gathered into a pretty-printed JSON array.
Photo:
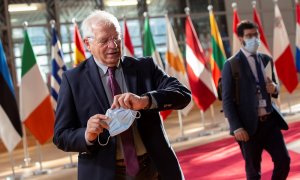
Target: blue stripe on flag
[
  {"x": 4, "y": 70},
  {"x": 298, "y": 59}
]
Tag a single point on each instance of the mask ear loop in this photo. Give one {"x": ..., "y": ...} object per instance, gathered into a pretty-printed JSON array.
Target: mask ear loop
[
  {"x": 138, "y": 114},
  {"x": 104, "y": 143}
]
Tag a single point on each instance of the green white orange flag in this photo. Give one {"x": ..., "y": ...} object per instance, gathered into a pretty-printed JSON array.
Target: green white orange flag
[
  {"x": 174, "y": 62},
  {"x": 149, "y": 45},
  {"x": 218, "y": 57},
  {"x": 79, "y": 52},
  {"x": 35, "y": 102}
]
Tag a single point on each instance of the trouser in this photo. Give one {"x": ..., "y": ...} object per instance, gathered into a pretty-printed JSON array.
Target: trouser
[
  {"x": 267, "y": 137},
  {"x": 147, "y": 170}
]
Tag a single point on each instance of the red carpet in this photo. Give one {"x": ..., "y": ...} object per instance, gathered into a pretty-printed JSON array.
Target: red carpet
[{"x": 222, "y": 160}]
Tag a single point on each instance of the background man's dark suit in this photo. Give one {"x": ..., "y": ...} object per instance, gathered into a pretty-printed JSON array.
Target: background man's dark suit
[
  {"x": 245, "y": 114},
  {"x": 82, "y": 95}
]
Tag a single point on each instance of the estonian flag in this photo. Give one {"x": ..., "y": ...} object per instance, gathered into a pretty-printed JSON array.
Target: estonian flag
[{"x": 10, "y": 129}]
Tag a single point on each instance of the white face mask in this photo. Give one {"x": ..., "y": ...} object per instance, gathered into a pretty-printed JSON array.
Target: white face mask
[
  {"x": 252, "y": 44},
  {"x": 120, "y": 120}
]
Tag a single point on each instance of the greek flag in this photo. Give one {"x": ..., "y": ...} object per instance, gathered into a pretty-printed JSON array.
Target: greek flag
[{"x": 58, "y": 67}]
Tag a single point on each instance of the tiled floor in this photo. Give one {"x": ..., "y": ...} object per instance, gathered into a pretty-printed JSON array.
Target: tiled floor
[{"x": 198, "y": 128}]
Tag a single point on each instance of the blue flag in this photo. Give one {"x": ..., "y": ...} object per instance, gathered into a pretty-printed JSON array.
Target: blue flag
[
  {"x": 58, "y": 67},
  {"x": 10, "y": 128}
]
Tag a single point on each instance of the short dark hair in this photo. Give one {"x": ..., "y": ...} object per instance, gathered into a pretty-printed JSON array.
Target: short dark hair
[{"x": 245, "y": 24}]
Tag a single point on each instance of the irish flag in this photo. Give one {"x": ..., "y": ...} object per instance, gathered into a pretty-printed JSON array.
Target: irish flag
[
  {"x": 202, "y": 85},
  {"x": 218, "y": 57},
  {"x": 35, "y": 102},
  {"x": 149, "y": 46},
  {"x": 282, "y": 54},
  {"x": 175, "y": 64},
  {"x": 236, "y": 44},
  {"x": 128, "y": 47},
  {"x": 79, "y": 52}
]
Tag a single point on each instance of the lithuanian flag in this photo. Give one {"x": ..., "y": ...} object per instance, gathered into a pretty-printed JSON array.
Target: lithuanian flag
[{"x": 217, "y": 57}]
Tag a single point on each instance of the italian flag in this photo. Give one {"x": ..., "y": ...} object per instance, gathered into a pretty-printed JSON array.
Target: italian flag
[
  {"x": 36, "y": 109},
  {"x": 149, "y": 46},
  {"x": 218, "y": 57}
]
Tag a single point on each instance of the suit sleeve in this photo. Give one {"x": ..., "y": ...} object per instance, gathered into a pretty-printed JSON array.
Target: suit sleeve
[
  {"x": 229, "y": 106},
  {"x": 168, "y": 92},
  {"x": 274, "y": 78},
  {"x": 68, "y": 134}
]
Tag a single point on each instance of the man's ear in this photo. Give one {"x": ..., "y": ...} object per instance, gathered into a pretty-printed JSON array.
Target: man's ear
[
  {"x": 87, "y": 43},
  {"x": 242, "y": 41}
]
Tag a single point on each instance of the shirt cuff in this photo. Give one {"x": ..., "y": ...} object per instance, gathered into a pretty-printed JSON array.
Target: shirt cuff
[{"x": 238, "y": 130}]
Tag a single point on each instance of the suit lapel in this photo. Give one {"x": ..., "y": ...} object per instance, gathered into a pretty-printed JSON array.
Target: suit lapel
[
  {"x": 130, "y": 75},
  {"x": 93, "y": 78},
  {"x": 245, "y": 66}
]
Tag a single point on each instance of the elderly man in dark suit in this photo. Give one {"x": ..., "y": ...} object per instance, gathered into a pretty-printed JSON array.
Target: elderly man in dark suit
[
  {"x": 107, "y": 81},
  {"x": 254, "y": 120}
]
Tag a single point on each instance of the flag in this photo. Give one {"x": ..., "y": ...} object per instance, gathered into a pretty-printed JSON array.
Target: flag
[
  {"x": 79, "y": 52},
  {"x": 35, "y": 103},
  {"x": 282, "y": 54},
  {"x": 149, "y": 46},
  {"x": 128, "y": 47},
  {"x": 264, "y": 47},
  {"x": 298, "y": 36},
  {"x": 217, "y": 57},
  {"x": 58, "y": 67},
  {"x": 236, "y": 44},
  {"x": 175, "y": 65},
  {"x": 10, "y": 128},
  {"x": 202, "y": 85}
]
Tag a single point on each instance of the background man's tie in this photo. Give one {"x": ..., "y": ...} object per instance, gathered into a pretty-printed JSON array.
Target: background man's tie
[
  {"x": 130, "y": 158},
  {"x": 262, "y": 83}
]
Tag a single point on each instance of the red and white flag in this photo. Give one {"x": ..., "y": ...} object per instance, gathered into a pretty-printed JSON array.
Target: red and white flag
[
  {"x": 128, "y": 47},
  {"x": 202, "y": 85},
  {"x": 264, "y": 47},
  {"x": 236, "y": 45},
  {"x": 282, "y": 54}
]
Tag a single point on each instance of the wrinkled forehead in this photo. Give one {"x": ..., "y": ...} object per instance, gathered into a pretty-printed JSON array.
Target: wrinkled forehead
[{"x": 104, "y": 30}]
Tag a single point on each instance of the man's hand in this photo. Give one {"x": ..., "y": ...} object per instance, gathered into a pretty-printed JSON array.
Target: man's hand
[
  {"x": 95, "y": 126},
  {"x": 130, "y": 101},
  {"x": 270, "y": 86},
  {"x": 241, "y": 135}
]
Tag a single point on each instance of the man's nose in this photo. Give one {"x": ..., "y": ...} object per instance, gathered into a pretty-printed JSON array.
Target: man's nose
[{"x": 112, "y": 43}]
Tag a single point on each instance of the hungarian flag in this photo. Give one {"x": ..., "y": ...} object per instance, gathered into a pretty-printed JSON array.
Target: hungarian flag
[
  {"x": 10, "y": 128},
  {"x": 149, "y": 45},
  {"x": 202, "y": 85},
  {"x": 35, "y": 102},
  {"x": 282, "y": 54},
  {"x": 298, "y": 36},
  {"x": 128, "y": 47},
  {"x": 217, "y": 57},
  {"x": 264, "y": 47},
  {"x": 175, "y": 64},
  {"x": 236, "y": 44},
  {"x": 79, "y": 52},
  {"x": 58, "y": 67}
]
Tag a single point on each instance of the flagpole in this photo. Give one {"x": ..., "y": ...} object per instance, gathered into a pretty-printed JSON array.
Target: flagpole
[
  {"x": 27, "y": 159},
  {"x": 41, "y": 170},
  {"x": 182, "y": 135},
  {"x": 202, "y": 118},
  {"x": 212, "y": 110},
  {"x": 12, "y": 163}
]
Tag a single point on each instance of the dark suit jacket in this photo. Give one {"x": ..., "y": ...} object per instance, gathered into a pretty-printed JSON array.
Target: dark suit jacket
[
  {"x": 245, "y": 115},
  {"x": 82, "y": 95}
]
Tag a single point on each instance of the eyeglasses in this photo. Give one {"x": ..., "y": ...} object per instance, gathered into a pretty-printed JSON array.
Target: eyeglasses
[{"x": 105, "y": 42}]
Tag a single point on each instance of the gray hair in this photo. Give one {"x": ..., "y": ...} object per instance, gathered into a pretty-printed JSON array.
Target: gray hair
[{"x": 98, "y": 17}]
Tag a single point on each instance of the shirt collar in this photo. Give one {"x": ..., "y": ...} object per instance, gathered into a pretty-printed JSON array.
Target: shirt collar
[
  {"x": 103, "y": 67},
  {"x": 246, "y": 53}
]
